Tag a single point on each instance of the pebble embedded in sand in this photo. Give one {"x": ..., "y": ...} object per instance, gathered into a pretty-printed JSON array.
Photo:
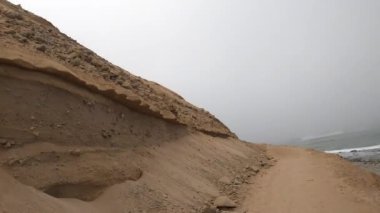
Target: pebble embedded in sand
[
  {"x": 3, "y": 141},
  {"x": 253, "y": 168},
  {"x": 75, "y": 62},
  {"x": 75, "y": 152},
  {"x": 7, "y": 143},
  {"x": 36, "y": 133},
  {"x": 225, "y": 180},
  {"x": 41, "y": 48},
  {"x": 224, "y": 202},
  {"x": 210, "y": 210}
]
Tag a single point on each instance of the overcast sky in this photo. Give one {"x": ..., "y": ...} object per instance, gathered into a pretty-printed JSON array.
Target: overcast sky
[{"x": 273, "y": 71}]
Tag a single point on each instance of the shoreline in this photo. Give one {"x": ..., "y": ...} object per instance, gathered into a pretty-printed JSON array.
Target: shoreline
[{"x": 368, "y": 159}]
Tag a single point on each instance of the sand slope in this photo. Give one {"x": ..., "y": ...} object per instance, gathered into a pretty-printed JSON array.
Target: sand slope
[
  {"x": 29, "y": 41},
  {"x": 305, "y": 181},
  {"x": 79, "y": 134},
  {"x": 178, "y": 176},
  {"x": 64, "y": 148}
]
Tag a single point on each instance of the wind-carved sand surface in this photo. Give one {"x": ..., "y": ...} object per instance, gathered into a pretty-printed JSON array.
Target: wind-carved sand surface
[{"x": 78, "y": 134}]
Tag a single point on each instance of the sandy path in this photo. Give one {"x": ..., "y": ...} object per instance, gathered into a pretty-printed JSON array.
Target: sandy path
[{"x": 306, "y": 181}]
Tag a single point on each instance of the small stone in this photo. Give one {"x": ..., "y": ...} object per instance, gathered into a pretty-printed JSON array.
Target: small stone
[
  {"x": 36, "y": 133},
  {"x": 13, "y": 15},
  {"x": 252, "y": 168},
  {"x": 61, "y": 57},
  {"x": 88, "y": 103},
  {"x": 105, "y": 69},
  {"x": 106, "y": 134},
  {"x": 210, "y": 210},
  {"x": 237, "y": 182},
  {"x": 28, "y": 34},
  {"x": 41, "y": 48},
  {"x": 224, "y": 202},
  {"x": 75, "y": 152},
  {"x": 40, "y": 39},
  {"x": 75, "y": 62},
  {"x": 3, "y": 141},
  {"x": 263, "y": 163},
  {"x": 224, "y": 180},
  {"x": 8, "y": 145},
  {"x": 23, "y": 40}
]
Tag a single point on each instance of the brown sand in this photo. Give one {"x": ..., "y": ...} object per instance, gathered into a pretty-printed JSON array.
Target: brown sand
[
  {"x": 68, "y": 142},
  {"x": 78, "y": 134}
]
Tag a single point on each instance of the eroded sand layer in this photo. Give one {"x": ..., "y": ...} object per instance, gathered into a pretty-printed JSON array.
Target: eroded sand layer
[
  {"x": 29, "y": 41},
  {"x": 68, "y": 142}
]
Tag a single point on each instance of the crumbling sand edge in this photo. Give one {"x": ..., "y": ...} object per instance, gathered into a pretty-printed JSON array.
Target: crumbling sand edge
[
  {"x": 38, "y": 40},
  {"x": 97, "y": 85}
]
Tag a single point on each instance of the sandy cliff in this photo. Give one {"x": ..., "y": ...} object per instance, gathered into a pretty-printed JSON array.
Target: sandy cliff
[
  {"x": 31, "y": 42},
  {"x": 79, "y": 134}
]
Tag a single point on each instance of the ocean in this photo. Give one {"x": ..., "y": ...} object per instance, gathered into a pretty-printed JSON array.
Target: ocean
[
  {"x": 345, "y": 142},
  {"x": 362, "y": 148}
]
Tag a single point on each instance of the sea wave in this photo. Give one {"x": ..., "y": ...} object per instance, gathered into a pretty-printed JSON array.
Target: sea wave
[{"x": 354, "y": 149}]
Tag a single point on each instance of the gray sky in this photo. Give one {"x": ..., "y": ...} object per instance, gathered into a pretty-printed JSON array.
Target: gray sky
[{"x": 270, "y": 70}]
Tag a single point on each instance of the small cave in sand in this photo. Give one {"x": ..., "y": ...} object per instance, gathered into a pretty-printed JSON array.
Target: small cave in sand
[
  {"x": 84, "y": 179},
  {"x": 42, "y": 147},
  {"x": 81, "y": 191}
]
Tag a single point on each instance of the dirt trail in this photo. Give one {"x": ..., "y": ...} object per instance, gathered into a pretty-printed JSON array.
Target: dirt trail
[{"x": 307, "y": 181}]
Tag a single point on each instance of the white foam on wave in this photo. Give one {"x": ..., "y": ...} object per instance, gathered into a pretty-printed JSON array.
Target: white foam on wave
[{"x": 352, "y": 149}]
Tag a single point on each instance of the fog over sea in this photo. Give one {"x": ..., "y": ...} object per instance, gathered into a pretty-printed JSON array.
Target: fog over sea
[{"x": 344, "y": 141}]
